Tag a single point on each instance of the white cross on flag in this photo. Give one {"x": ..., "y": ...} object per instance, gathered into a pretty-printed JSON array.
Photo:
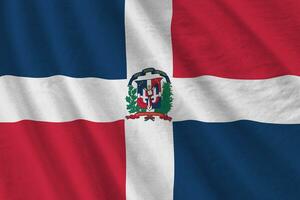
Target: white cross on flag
[{"x": 149, "y": 100}]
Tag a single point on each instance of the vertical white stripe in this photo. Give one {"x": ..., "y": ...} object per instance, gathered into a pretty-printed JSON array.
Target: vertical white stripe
[
  {"x": 150, "y": 160},
  {"x": 149, "y": 145},
  {"x": 148, "y": 35}
]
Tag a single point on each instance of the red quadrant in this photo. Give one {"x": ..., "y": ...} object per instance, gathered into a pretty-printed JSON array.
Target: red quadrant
[
  {"x": 71, "y": 160},
  {"x": 236, "y": 39}
]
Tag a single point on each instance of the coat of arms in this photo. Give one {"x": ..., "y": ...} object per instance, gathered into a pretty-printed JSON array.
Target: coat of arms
[{"x": 149, "y": 95}]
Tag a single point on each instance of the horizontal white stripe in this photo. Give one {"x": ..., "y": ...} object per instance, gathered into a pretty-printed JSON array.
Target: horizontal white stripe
[
  {"x": 208, "y": 99},
  {"x": 212, "y": 99},
  {"x": 60, "y": 98}
]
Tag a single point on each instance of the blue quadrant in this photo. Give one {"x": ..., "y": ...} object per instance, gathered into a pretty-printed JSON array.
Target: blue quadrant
[
  {"x": 40, "y": 38},
  {"x": 240, "y": 160}
]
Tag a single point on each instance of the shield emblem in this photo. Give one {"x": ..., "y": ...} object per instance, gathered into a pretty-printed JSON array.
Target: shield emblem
[{"x": 149, "y": 93}]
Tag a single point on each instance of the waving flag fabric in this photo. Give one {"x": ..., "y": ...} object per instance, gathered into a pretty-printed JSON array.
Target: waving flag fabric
[{"x": 149, "y": 100}]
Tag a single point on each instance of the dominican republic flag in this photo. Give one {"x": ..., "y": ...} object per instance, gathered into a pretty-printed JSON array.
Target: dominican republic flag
[{"x": 222, "y": 122}]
